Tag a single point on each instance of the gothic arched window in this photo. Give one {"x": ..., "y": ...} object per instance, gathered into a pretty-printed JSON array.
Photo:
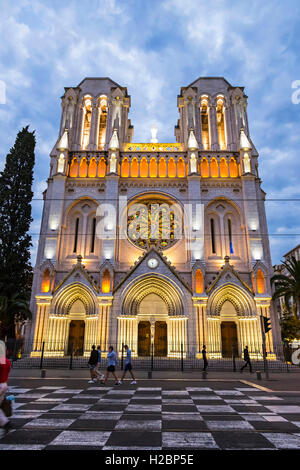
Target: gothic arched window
[
  {"x": 221, "y": 124},
  {"x": 45, "y": 285},
  {"x": 144, "y": 168},
  {"x": 180, "y": 168},
  {"x": 260, "y": 282},
  {"x": 102, "y": 168},
  {"x": 214, "y": 170},
  {"x": 153, "y": 168},
  {"x": 171, "y": 168},
  {"x": 205, "y": 124},
  {"x": 199, "y": 284},
  {"x": 74, "y": 168},
  {"x": 223, "y": 168},
  {"x": 83, "y": 168},
  {"x": 233, "y": 170},
  {"x": 92, "y": 168},
  {"x": 134, "y": 170},
  {"x": 204, "y": 168},
  {"x": 86, "y": 123},
  {"x": 125, "y": 168},
  {"x": 102, "y": 119},
  {"x": 162, "y": 168},
  {"x": 105, "y": 283}
]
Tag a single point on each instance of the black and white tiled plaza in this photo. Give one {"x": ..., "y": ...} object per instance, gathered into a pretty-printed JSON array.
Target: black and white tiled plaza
[{"x": 176, "y": 415}]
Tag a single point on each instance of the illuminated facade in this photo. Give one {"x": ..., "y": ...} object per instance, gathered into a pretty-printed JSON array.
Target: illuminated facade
[{"x": 164, "y": 293}]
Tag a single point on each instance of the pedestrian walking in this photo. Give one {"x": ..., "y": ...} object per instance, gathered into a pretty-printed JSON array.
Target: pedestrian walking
[
  {"x": 246, "y": 359},
  {"x": 204, "y": 356},
  {"x": 128, "y": 365},
  {"x": 5, "y": 366},
  {"x": 97, "y": 369},
  {"x": 111, "y": 366},
  {"x": 93, "y": 361}
]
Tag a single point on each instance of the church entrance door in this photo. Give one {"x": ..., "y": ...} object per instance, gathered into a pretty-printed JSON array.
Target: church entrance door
[
  {"x": 144, "y": 338},
  {"x": 229, "y": 338},
  {"x": 160, "y": 339},
  {"x": 76, "y": 337}
]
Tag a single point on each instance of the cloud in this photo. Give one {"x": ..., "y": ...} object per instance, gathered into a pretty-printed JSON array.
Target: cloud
[{"x": 154, "y": 48}]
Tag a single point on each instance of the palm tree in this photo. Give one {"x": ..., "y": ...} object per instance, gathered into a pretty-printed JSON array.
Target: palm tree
[{"x": 288, "y": 285}]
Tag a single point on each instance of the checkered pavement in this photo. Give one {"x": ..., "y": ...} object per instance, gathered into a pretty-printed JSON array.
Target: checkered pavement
[{"x": 99, "y": 417}]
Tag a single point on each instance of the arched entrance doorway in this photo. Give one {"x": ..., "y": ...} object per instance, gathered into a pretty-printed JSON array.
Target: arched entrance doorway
[
  {"x": 229, "y": 336},
  {"x": 76, "y": 337},
  {"x": 76, "y": 328},
  {"x": 229, "y": 339}
]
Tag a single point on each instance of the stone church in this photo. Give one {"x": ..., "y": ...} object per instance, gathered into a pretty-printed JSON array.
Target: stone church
[{"x": 161, "y": 246}]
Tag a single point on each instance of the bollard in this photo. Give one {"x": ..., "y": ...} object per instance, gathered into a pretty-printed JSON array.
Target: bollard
[
  {"x": 204, "y": 375},
  {"x": 258, "y": 374},
  {"x": 43, "y": 373},
  {"x": 149, "y": 374}
]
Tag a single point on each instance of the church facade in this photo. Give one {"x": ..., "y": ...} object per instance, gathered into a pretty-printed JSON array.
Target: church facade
[{"x": 161, "y": 246}]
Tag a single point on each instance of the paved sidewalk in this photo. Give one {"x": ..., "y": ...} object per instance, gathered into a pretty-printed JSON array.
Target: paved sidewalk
[
  {"x": 280, "y": 382},
  {"x": 68, "y": 413}
]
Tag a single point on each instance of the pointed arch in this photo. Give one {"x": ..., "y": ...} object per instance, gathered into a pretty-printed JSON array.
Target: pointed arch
[
  {"x": 162, "y": 168},
  {"x": 134, "y": 168},
  {"x": 45, "y": 284},
  {"x": 102, "y": 167},
  {"x": 180, "y": 168},
  {"x": 204, "y": 168},
  {"x": 125, "y": 168},
  {"x": 83, "y": 168},
  {"x": 171, "y": 168},
  {"x": 260, "y": 282},
  {"x": 233, "y": 170},
  {"x": 223, "y": 168},
  {"x": 153, "y": 168},
  {"x": 106, "y": 282},
  {"x": 214, "y": 168},
  {"x": 144, "y": 168},
  {"x": 74, "y": 168},
  {"x": 92, "y": 168},
  {"x": 199, "y": 282}
]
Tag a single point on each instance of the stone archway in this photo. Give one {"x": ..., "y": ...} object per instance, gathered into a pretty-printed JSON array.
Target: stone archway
[{"x": 150, "y": 307}]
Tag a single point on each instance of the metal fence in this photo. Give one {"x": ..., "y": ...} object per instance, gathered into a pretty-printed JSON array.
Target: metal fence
[{"x": 47, "y": 355}]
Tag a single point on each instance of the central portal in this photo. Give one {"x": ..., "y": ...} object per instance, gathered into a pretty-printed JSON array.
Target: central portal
[
  {"x": 76, "y": 337},
  {"x": 229, "y": 338}
]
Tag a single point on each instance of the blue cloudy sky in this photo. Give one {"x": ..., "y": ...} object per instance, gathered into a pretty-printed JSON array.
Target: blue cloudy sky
[{"x": 154, "y": 47}]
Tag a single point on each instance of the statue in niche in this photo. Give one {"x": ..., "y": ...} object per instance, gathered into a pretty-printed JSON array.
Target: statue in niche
[
  {"x": 193, "y": 163},
  {"x": 113, "y": 163},
  {"x": 247, "y": 163},
  {"x": 61, "y": 163},
  {"x": 116, "y": 110}
]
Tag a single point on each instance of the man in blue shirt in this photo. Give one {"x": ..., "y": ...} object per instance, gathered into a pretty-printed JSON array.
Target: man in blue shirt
[
  {"x": 111, "y": 366},
  {"x": 128, "y": 365}
]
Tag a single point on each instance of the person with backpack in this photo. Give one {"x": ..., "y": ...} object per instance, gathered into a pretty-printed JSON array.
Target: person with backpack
[
  {"x": 5, "y": 366},
  {"x": 111, "y": 366},
  {"x": 93, "y": 361}
]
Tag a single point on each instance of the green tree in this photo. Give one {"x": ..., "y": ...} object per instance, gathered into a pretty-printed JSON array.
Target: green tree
[
  {"x": 290, "y": 326},
  {"x": 15, "y": 219},
  {"x": 288, "y": 285}
]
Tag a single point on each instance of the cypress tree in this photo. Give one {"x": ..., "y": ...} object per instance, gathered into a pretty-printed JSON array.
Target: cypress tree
[{"x": 15, "y": 217}]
